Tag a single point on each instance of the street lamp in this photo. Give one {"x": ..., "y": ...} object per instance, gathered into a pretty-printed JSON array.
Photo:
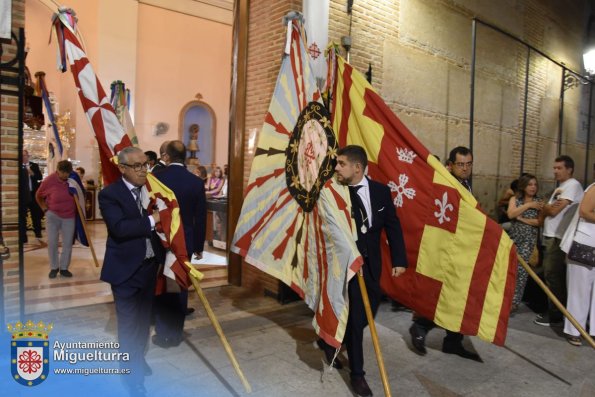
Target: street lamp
[
  {"x": 589, "y": 54},
  {"x": 589, "y": 60}
]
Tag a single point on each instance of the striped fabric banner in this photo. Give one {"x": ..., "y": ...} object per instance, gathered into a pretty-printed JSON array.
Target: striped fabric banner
[
  {"x": 462, "y": 266},
  {"x": 119, "y": 98},
  {"x": 43, "y": 92},
  {"x": 171, "y": 231},
  {"x": 112, "y": 138},
  {"x": 110, "y": 135},
  {"x": 295, "y": 221}
]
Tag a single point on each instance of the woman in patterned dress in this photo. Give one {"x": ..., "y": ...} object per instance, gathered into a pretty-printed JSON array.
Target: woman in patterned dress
[{"x": 523, "y": 210}]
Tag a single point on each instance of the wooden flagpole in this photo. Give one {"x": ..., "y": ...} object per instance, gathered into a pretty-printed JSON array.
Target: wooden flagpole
[
  {"x": 84, "y": 223},
  {"x": 372, "y": 325},
  {"x": 556, "y": 302},
  {"x": 217, "y": 327}
]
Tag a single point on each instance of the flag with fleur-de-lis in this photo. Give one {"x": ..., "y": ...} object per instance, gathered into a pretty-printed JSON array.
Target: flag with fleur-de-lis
[
  {"x": 295, "y": 222},
  {"x": 462, "y": 267}
]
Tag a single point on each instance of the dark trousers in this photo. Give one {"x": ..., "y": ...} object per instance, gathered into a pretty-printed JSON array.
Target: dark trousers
[
  {"x": 357, "y": 321},
  {"x": 184, "y": 300},
  {"x": 424, "y": 326},
  {"x": 36, "y": 215},
  {"x": 134, "y": 300},
  {"x": 170, "y": 313},
  {"x": 554, "y": 272},
  {"x": 23, "y": 223}
]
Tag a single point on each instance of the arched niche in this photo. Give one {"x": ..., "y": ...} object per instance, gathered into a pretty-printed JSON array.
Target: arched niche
[{"x": 200, "y": 113}]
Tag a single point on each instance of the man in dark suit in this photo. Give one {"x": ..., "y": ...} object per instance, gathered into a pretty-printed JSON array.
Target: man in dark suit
[
  {"x": 460, "y": 165},
  {"x": 171, "y": 307},
  {"x": 32, "y": 181},
  {"x": 373, "y": 211},
  {"x": 132, "y": 255},
  {"x": 151, "y": 159},
  {"x": 161, "y": 163}
]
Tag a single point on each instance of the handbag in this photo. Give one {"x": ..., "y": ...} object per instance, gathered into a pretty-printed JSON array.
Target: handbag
[
  {"x": 534, "y": 258},
  {"x": 582, "y": 253}
]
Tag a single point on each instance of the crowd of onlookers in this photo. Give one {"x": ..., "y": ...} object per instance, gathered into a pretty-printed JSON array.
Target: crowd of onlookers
[{"x": 544, "y": 228}]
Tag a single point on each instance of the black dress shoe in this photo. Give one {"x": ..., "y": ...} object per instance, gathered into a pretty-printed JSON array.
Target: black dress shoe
[
  {"x": 360, "y": 386},
  {"x": 329, "y": 353},
  {"x": 189, "y": 311},
  {"x": 165, "y": 342},
  {"x": 417, "y": 340},
  {"x": 460, "y": 351}
]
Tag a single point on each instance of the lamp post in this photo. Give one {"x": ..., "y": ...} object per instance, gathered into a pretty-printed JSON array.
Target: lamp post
[{"x": 589, "y": 63}]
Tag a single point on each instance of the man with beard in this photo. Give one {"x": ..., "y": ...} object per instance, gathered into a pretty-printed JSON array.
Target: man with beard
[{"x": 373, "y": 211}]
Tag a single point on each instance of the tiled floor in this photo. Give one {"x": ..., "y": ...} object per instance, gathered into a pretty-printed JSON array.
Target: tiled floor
[
  {"x": 85, "y": 288},
  {"x": 275, "y": 348}
]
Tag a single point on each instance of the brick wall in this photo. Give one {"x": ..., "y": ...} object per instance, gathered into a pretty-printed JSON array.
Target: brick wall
[
  {"x": 266, "y": 40},
  {"x": 420, "y": 53},
  {"x": 9, "y": 164}
]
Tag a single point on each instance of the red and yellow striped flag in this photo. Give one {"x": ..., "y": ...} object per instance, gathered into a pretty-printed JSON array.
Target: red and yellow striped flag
[
  {"x": 171, "y": 231},
  {"x": 462, "y": 266}
]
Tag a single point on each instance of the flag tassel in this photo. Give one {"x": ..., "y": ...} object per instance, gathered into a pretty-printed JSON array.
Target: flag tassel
[
  {"x": 373, "y": 333},
  {"x": 84, "y": 223},
  {"x": 217, "y": 326},
  {"x": 556, "y": 302}
]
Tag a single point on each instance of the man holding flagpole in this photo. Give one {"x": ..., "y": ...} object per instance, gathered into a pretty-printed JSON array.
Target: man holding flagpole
[
  {"x": 373, "y": 211},
  {"x": 133, "y": 252}
]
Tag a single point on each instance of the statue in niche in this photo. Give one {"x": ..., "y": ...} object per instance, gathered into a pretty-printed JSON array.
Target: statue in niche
[{"x": 193, "y": 144}]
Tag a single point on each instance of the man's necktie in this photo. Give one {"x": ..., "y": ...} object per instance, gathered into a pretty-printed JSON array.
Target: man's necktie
[
  {"x": 137, "y": 194},
  {"x": 358, "y": 212},
  {"x": 26, "y": 173},
  {"x": 359, "y": 208}
]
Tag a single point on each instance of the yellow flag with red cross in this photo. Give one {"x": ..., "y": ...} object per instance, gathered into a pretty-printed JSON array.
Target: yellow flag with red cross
[{"x": 462, "y": 266}]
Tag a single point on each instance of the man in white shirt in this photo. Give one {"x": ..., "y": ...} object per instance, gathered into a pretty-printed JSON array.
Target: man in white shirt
[{"x": 558, "y": 214}]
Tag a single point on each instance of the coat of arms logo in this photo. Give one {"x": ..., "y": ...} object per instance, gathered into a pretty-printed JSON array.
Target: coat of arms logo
[{"x": 29, "y": 344}]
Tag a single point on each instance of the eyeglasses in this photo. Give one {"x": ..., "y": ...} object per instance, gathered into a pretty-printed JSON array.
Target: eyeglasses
[
  {"x": 137, "y": 166},
  {"x": 463, "y": 165}
]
